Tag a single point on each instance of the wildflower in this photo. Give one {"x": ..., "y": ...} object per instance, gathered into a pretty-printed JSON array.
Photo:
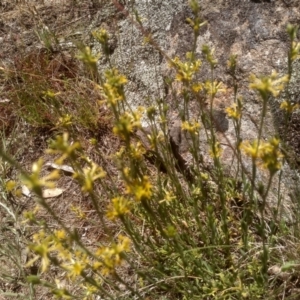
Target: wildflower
[
  {"x": 137, "y": 151},
  {"x": 87, "y": 57},
  {"x": 288, "y": 106},
  {"x": 42, "y": 247},
  {"x": 213, "y": 87},
  {"x": 196, "y": 22},
  {"x": 63, "y": 146},
  {"x": 234, "y": 112},
  {"x": 215, "y": 150},
  {"x": 190, "y": 126},
  {"x": 270, "y": 155},
  {"x": 268, "y": 85},
  {"x": 113, "y": 256},
  {"x": 89, "y": 176},
  {"x": 127, "y": 123},
  {"x": 113, "y": 87},
  {"x": 267, "y": 152},
  {"x": 10, "y": 185},
  {"x": 60, "y": 235},
  {"x": 168, "y": 197},
  {"x": 209, "y": 55},
  {"x": 185, "y": 70},
  {"x": 102, "y": 37},
  {"x": 64, "y": 121},
  {"x": 140, "y": 189},
  {"x": 197, "y": 87},
  {"x": 78, "y": 212},
  {"x": 119, "y": 207},
  {"x": 75, "y": 269},
  {"x": 30, "y": 216},
  {"x": 35, "y": 182},
  {"x": 250, "y": 149},
  {"x": 90, "y": 291}
]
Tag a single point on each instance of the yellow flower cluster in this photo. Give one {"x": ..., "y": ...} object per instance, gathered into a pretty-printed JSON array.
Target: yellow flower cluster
[
  {"x": 213, "y": 87},
  {"x": 44, "y": 244},
  {"x": 112, "y": 256},
  {"x": 101, "y": 36},
  {"x": 137, "y": 151},
  {"x": 268, "y": 85},
  {"x": 119, "y": 207},
  {"x": 185, "y": 70},
  {"x": 268, "y": 152},
  {"x": 191, "y": 126},
  {"x": 59, "y": 248},
  {"x": 113, "y": 87},
  {"x": 288, "y": 106},
  {"x": 234, "y": 111},
  {"x": 80, "y": 214},
  {"x": 140, "y": 189},
  {"x": 88, "y": 57},
  {"x": 127, "y": 123},
  {"x": 168, "y": 197},
  {"x": 35, "y": 182},
  {"x": 63, "y": 146},
  {"x": 215, "y": 150},
  {"x": 89, "y": 176},
  {"x": 64, "y": 121}
]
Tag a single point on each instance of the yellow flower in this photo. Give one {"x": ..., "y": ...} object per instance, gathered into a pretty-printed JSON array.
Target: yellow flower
[
  {"x": 101, "y": 36},
  {"x": 10, "y": 185},
  {"x": 89, "y": 176},
  {"x": 35, "y": 182},
  {"x": 75, "y": 269},
  {"x": 191, "y": 126},
  {"x": 215, "y": 150},
  {"x": 270, "y": 155},
  {"x": 197, "y": 87},
  {"x": 63, "y": 146},
  {"x": 112, "y": 256},
  {"x": 185, "y": 70},
  {"x": 267, "y": 152},
  {"x": 119, "y": 207},
  {"x": 113, "y": 87},
  {"x": 250, "y": 149},
  {"x": 64, "y": 121},
  {"x": 234, "y": 112},
  {"x": 268, "y": 85},
  {"x": 288, "y": 106},
  {"x": 78, "y": 212},
  {"x": 213, "y": 87},
  {"x": 127, "y": 123},
  {"x": 60, "y": 234},
  {"x": 87, "y": 56},
  {"x": 168, "y": 197},
  {"x": 137, "y": 151},
  {"x": 140, "y": 189}
]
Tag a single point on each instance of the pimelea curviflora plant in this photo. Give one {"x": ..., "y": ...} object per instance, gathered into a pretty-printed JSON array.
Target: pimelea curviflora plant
[{"x": 170, "y": 232}]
